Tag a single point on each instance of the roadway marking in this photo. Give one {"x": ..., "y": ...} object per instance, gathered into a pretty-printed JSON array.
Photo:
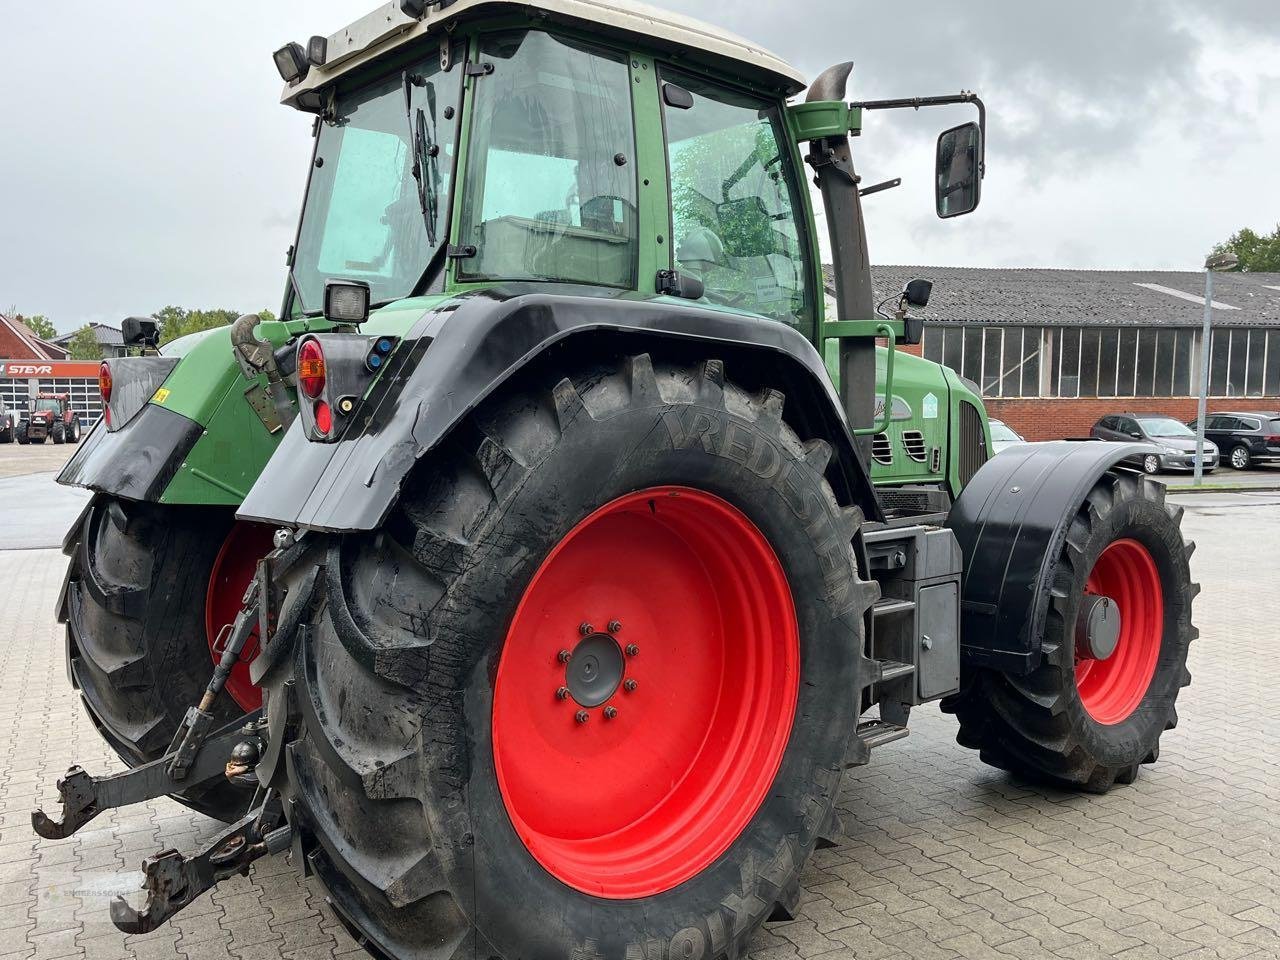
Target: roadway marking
[{"x": 1185, "y": 296}]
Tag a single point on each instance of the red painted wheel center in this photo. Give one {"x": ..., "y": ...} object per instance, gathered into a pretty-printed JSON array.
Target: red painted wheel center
[
  {"x": 234, "y": 567},
  {"x": 646, "y": 692},
  {"x": 1112, "y": 689}
]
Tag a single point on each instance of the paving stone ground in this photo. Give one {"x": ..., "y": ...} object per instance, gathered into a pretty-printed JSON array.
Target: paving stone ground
[{"x": 943, "y": 859}]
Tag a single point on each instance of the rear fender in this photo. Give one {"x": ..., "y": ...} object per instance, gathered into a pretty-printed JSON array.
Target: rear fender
[
  {"x": 1011, "y": 522},
  {"x": 461, "y": 352}
]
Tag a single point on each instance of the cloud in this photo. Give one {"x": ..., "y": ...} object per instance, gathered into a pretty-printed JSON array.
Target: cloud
[{"x": 149, "y": 162}]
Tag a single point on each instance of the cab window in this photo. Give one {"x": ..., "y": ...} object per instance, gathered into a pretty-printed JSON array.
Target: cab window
[
  {"x": 550, "y": 192},
  {"x": 733, "y": 203}
]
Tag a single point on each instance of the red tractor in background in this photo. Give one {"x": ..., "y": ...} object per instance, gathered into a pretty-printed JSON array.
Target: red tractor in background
[{"x": 50, "y": 416}]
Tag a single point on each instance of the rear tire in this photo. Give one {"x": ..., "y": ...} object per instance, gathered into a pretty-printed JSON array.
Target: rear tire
[
  {"x": 405, "y": 818},
  {"x": 137, "y": 649},
  {"x": 1056, "y": 724}
]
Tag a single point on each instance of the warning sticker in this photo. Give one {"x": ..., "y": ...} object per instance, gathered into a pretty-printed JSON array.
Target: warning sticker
[
  {"x": 160, "y": 396},
  {"x": 929, "y": 407}
]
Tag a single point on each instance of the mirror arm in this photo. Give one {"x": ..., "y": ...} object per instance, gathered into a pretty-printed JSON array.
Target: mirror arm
[
  {"x": 879, "y": 187},
  {"x": 915, "y": 103}
]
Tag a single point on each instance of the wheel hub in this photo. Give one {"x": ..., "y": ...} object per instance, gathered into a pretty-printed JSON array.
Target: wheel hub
[
  {"x": 1097, "y": 628},
  {"x": 594, "y": 672}
]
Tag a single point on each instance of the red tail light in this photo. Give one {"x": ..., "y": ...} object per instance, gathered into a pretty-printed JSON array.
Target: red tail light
[
  {"x": 311, "y": 372},
  {"x": 104, "y": 382},
  {"x": 1271, "y": 440},
  {"x": 324, "y": 418}
]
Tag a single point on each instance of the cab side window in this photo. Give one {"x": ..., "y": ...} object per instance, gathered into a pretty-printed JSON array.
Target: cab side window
[{"x": 734, "y": 210}]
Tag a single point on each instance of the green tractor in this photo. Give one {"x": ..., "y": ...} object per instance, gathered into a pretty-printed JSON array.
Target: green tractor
[{"x": 556, "y": 550}]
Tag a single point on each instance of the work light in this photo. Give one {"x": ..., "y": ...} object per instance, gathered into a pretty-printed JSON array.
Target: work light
[
  {"x": 291, "y": 61},
  {"x": 346, "y": 301},
  {"x": 318, "y": 50}
]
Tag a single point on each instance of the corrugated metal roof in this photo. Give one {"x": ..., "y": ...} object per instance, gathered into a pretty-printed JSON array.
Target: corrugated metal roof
[{"x": 1087, "y": 297}]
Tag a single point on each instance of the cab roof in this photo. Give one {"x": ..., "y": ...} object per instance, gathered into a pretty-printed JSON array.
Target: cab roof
[{"x": 690, "y": 41}]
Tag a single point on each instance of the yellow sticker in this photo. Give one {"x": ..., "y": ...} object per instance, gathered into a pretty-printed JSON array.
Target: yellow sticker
[{"x": 160, "y": 396}]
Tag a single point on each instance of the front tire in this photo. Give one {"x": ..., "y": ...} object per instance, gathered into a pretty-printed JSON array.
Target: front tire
[
  {"x": 1150, "y": 464},
  {"x": 59, "y": 432},
  {"x": 23, "y": 437},
  {"x": 137, "y": 643},
  {"x": 1240, "y": 457},
  {"x": 482, "y": 800},
  {"x": 1078, "y": 720}
]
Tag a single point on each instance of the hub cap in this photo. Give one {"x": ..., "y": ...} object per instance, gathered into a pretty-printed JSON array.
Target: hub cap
[
  {"x": 631, "y": 756},
  {"x": 234, "y": 567},
  {"x": 1116, "y": 656}
]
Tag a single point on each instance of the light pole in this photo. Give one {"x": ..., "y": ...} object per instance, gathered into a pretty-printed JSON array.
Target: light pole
[{"x": 1218, "y": 263}]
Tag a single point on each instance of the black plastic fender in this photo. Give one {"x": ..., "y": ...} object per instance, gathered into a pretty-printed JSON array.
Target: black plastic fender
[
  {"x": 137, "y": 461},
  {"x": 459, "y": 353},
  {"x": 1011, "y": 521}
]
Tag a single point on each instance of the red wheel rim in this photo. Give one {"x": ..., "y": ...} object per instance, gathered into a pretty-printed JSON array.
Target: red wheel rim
[
  {"x": 233, "y": 568},
  {"x": 698, "y": 606},
  {"x": 1112, "y": 689}
]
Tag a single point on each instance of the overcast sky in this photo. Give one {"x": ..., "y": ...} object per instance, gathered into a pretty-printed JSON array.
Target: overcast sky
[{"x": 145, "y": 159}]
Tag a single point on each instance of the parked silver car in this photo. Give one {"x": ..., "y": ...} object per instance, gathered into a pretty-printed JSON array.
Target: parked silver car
[
  {"x": 1176, "y": 442},
  {"x": 1003, "y": 436}
]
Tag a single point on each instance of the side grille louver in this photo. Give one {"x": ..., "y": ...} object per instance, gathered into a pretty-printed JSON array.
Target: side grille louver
[
  {"x": 882, "y": 449},
  {"x": 913, "y": 442}
]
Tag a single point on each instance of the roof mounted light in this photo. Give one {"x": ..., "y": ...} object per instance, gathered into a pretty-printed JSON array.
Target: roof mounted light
[
  {"x": 414, "y": 8},
  {"x": 346, "y": 301},
  {"x": 291, "y": 61},
  {"x": 318, "y": 51}
]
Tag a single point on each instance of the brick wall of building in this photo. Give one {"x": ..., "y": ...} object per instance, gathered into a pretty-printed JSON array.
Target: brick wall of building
[
  {"x": 1048, "y": 419},
  {"x": 11, "y": 345}
]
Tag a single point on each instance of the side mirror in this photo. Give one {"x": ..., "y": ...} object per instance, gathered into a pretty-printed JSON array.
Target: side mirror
[
  {"x": 958, "y": 176},
  {"x": 139, "y": 332}
]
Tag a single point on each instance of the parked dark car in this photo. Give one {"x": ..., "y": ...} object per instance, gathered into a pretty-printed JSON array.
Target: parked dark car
[
  {"x": 1177, "y": 442},
  {"x": 1245, "y": 438}
]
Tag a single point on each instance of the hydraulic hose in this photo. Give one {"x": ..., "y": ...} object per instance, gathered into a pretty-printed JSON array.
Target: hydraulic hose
[{"x": 258, "y": 356}]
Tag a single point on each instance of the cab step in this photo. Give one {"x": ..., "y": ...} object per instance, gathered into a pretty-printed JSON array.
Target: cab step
[
  {"x": 893, "y": 670},
  {"x": 876, "y": 733},
  {"x": 889, "y": 607}
]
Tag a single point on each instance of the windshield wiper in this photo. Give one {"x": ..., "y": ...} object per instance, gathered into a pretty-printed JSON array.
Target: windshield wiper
[{"x": 426, "y": 152}]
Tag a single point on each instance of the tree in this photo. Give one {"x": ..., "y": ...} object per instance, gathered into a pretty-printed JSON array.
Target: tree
[
  {"x": 178, "y": 321},
  {"x": 84, "y": 345},
  {"x": 1258, "y": 254}
]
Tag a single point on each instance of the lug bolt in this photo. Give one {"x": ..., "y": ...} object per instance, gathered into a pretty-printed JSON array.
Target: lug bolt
[
  {"x": 582, "y": 716},
  {"x": 615, "y": 626},
  {"x": 586, "y": 629},
  {"x": 562, "y": 693},
  {"x": 632, "y": 650},
  {"x": 610, "y": 713},
  {"x": 630, "y": 686},
  {"x": 565, "y": 656}
]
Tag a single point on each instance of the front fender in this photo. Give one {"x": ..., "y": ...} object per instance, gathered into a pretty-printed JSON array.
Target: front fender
[
  {"x": 1011, "y": 522},
  {"x": 459, "y": 353}
]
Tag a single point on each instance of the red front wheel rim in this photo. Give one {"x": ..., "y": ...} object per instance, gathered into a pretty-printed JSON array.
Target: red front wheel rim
[
  {"x": 646, "y": 692},
  {"x": 1112, "y": 689},
  {"x": 233, "y": 568}
]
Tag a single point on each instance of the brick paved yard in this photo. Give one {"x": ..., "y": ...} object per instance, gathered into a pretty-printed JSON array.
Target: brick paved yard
[{"x": 944, "y": 858}]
